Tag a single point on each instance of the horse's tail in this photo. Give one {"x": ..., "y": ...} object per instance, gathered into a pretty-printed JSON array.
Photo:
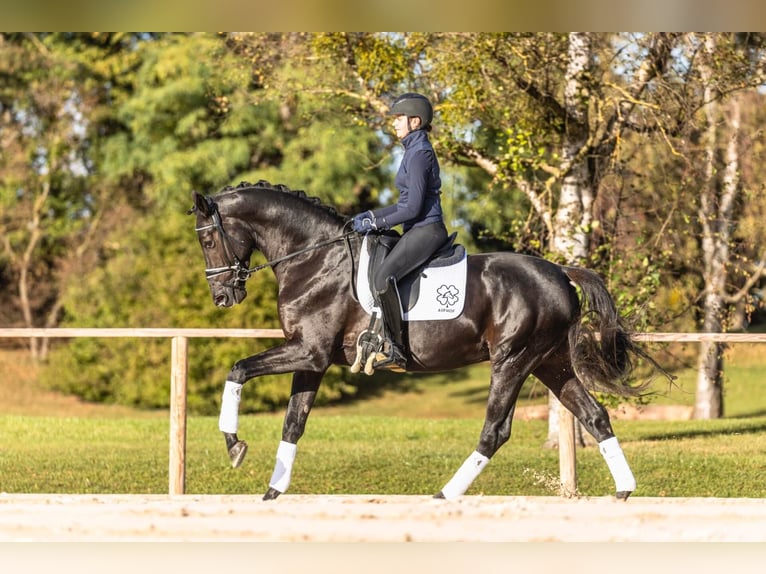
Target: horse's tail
[{"x": 600, "y": 347}]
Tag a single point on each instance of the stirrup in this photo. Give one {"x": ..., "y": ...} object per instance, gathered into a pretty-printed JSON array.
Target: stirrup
[{"x": 367, "y": 344}]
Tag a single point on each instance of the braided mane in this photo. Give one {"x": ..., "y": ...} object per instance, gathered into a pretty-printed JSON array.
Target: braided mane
[{"x": 263, "y": 184}]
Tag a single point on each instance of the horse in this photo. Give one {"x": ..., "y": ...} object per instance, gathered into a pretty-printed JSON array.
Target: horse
[{"x": 524, "y": 314}]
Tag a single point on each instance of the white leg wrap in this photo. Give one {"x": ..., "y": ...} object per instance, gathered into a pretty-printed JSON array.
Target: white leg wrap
[
  {"x": 624, "y": 481},
  {"x": 228, "y": 421},
  {"x": 465, "y": 475},
  {"x": 280, "y": 478}
]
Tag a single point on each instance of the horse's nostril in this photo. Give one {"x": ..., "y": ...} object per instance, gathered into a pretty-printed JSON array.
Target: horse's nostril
[{"x": 220, "y": 300}]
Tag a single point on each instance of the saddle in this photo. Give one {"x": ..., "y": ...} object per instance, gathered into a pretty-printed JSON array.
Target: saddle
[
  {"x": 380, "y": 245},
  {"x": 441, "y": 277}
]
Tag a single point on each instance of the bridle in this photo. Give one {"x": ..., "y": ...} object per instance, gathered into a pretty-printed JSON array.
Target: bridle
[{"x": 235, "y": 265}]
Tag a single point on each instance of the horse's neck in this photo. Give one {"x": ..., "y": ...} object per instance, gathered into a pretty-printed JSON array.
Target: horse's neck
[{"x": 280, "y": 232}]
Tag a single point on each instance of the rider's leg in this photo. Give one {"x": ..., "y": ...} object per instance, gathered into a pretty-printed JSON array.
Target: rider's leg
[
  {"x": 412, "y": 251},
  {"x": 391, "y": 309}
]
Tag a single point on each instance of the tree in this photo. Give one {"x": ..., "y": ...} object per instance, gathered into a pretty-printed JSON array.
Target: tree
[
  {"x": 697, "y": 194},
  {"x": 583, "y": 148},
  {"x": 556, "y": 112},
  {"x": 718, "y": 213},
  {"x": 51, "y": 210},
  {"x": 203, "y": 111},
  {"x": 543, "y": 115}
]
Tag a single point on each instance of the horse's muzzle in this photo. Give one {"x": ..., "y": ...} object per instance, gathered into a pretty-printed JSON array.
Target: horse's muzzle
[{"x": 227, "y": 296}]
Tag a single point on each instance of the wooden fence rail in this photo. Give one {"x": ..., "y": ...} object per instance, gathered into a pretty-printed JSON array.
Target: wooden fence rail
[
  {"x": 179, "y": 369},
  {"x": 178, "y": 374}
]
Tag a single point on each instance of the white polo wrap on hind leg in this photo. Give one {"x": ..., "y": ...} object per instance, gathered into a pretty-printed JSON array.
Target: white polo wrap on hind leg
[
  {"x": 465, "y": 475},
  {"x": 624, "y": 480},
  {"x": 280, "y": 478},
  {"x": 228, "y": 421}
]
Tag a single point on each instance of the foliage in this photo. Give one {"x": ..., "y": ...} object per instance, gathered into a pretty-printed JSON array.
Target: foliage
[
  {"x": 189, "y": 125},
  {"x": 44, "y": 186},
  {"x": 104, "y": 135}
]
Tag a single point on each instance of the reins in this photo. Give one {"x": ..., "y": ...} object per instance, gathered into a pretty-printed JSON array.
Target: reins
[{"x": 299, "y": 252}]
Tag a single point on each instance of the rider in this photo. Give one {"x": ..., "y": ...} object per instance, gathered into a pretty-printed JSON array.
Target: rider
[{"x": 418, "y": 210}]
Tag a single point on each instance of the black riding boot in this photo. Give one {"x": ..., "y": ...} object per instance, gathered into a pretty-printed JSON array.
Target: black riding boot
[{"x": 393, "y": 357}]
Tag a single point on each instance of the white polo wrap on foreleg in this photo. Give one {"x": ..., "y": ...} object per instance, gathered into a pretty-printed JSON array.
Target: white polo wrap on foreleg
[
  {"x": 465, "y": 475},
  {"x": 624, "y": 481},
  {"x": 280, "y": 478},
  {"x": 228, "y": 421}
]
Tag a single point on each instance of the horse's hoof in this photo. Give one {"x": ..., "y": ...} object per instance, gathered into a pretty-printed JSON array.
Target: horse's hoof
[
  {"x": 231, "y": 439},
  {"x": 237, "y": 453},
  {"x": 440, "y": 495},
  {"x": 623, "y": 494},
  {"x": 271, "y": 494}
]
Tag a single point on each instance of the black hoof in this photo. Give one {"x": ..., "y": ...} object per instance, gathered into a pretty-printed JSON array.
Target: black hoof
[
  {"x": 237, "y": 449},
  {"x": 623, "y": 494},
  {"x": 231, "y": 439},
  {"x": 440, "y": 495},
  {"x": 271, "y": 494}
]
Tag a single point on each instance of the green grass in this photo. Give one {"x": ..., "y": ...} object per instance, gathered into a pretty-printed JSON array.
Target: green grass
[
  {"x": 354, "y": 454},
  {"x": 744, "y": 384},
  {"x": 463, "y": 393},
  {"x": 408, "y": 436},
  {"x": 456, "y": 394}
]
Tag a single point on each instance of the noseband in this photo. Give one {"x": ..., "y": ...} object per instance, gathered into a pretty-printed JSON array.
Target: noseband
[{"x": 234, "y": 265}]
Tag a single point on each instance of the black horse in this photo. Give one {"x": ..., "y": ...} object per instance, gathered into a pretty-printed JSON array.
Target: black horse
[{"x": 524, "y": 314}]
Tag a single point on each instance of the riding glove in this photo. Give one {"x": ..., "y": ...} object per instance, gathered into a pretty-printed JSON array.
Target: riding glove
[{"x": 364, "y": 222}]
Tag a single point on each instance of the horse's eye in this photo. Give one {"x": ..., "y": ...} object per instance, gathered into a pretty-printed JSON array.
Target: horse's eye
[{"x": 208, "y": 243}]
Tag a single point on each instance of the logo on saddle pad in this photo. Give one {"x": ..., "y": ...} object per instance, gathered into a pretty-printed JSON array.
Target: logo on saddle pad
[{"x": 436, "y": 292}]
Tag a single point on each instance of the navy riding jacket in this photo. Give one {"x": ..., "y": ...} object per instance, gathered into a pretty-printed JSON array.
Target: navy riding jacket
[{"x": 419, "y": 186}]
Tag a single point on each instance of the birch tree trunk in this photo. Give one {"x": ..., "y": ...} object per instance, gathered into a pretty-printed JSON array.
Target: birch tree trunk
[
  {"x": 716, "y": 217},
  {"x": 25, "y": 260},
  {"x": 573, "y": 216}
]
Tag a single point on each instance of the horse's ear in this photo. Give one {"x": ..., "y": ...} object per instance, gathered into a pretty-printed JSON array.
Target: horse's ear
[{"x": 201, "y": 204}]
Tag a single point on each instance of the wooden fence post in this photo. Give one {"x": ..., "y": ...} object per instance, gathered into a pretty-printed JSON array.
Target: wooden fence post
[
  {"x": 179, "y": 370},
  {"x": 567, "y": 452}
]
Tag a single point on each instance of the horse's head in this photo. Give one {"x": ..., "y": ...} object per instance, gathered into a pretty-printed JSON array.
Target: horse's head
[{"x": 227, "y": 252}]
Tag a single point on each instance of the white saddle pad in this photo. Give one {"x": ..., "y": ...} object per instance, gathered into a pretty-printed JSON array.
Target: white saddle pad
[{"x": 442, "y": 290}]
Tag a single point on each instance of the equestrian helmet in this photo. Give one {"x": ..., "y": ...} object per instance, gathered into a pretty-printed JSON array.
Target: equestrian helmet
[{"x": 412, "y": 104}]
